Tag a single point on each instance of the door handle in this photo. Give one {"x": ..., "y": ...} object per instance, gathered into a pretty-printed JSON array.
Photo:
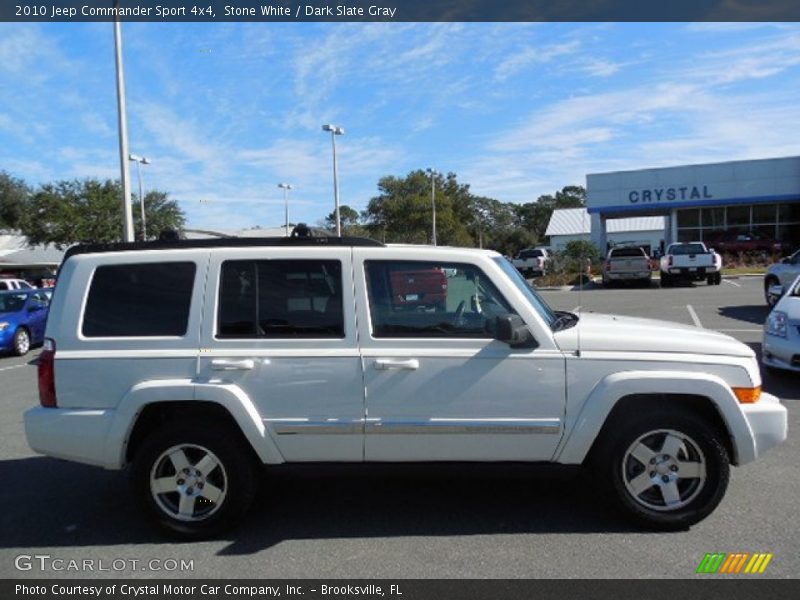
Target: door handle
[
  {"x": 411, "y": 364},
  {"x": 222, "y": 364}
]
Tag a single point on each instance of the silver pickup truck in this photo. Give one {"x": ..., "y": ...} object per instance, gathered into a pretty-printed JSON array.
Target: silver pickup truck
[{"x": 629, "y": 263}]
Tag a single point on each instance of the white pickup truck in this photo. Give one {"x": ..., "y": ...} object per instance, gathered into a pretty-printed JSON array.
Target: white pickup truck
[
  {"x": 690, "y": 261},
  {"x": 532, "y": 262}
]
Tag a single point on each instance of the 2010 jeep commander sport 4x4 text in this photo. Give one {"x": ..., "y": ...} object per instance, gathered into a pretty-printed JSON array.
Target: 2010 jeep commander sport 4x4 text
[{"x": 197, "y": 362}]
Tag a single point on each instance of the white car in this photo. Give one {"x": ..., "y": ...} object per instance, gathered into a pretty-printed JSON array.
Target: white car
[
  {"x": 14, "y": 284},
  {"x": 781, "y": 346},
  {"x": 290, "y": 350}
]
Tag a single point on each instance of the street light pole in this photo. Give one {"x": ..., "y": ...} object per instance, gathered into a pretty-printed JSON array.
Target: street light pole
[
  {"x": 334, "y": 132},
  {"x": 433, "y": 202},
  {"x": 286, "y": 187},
  {"x": 141, "y": 160},
  {"x": 127, "y": 214}
]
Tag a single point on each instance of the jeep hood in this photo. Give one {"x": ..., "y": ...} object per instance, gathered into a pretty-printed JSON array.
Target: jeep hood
[{"x": 610, "y": 333}]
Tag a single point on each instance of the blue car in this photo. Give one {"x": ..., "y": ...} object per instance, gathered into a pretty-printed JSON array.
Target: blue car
[{"x": 23, "y": 316}]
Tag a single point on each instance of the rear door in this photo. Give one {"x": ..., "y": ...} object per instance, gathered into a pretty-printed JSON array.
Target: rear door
[{"x": 279, "y": 323}]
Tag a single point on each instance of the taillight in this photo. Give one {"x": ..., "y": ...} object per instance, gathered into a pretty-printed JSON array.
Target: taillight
[
  {"x": 608, "y": 265},
  {"x": 669, "y": 262},
  {"x": 46, "y": 369}
]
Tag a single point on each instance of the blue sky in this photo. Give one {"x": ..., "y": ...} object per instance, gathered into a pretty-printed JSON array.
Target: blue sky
[{"x": 227, "y": 111}]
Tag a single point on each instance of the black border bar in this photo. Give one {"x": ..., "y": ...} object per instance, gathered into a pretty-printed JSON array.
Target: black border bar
[
  {"x": 706, "y": 587},
  {"x": 400, "y": 10}
]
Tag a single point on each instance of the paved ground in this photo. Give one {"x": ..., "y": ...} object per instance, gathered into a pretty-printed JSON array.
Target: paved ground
[{"x": 397, "y": 523}]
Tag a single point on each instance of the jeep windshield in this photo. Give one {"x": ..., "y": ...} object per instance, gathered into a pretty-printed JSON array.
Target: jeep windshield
[{"x": 553, "y": 320}]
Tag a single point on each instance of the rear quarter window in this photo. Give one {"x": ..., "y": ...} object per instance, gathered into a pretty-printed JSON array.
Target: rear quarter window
[{"x": 139, "y": 300}]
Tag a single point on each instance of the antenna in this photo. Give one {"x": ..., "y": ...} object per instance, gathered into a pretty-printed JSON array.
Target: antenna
[{"x": 582, "y": 270}]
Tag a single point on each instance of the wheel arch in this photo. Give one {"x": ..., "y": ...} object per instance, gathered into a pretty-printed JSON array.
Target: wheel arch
[
  {"x": 705, "y": 395},
  {"x": 149, "y": 404}
]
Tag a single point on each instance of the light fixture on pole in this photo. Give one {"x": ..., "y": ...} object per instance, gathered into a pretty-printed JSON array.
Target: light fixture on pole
[
  {"x": 286, "y": 187},
  {"x": 334, "y": 132},
  {"x": 433, "y": 174},
  {"x": 122, "y": 119},
  {"x": 141, "y": 160}
]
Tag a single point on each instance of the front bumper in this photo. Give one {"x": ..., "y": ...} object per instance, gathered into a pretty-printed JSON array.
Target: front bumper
[
  {"x": 768, "y": 422},
  {"x": 780, "y": 352}
]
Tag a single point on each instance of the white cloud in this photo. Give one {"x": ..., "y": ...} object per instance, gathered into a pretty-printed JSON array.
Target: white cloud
[{"x": 533, "y": 55}]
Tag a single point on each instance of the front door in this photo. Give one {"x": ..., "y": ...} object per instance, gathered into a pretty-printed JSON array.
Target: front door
[{"x": 439, "y": 387}]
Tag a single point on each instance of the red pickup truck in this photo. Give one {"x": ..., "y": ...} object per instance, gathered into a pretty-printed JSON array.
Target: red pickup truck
[
  {"x": 419, "y": 288},
  {"x": 739, "y": 241}
]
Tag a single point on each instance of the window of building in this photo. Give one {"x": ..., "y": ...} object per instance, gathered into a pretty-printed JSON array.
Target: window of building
[
  {"x": 281, "y": 299},
  {"x": 432, "y": 300},
  {"x": 139, "y": 300}
]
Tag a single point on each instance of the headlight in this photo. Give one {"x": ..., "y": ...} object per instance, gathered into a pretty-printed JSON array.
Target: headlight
[
  {"x": 3, "y": 325},
  {"x": 776, "y": 323}
]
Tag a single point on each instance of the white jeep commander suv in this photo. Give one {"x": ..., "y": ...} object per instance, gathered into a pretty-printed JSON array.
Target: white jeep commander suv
[{"x": 197, "y": 362}]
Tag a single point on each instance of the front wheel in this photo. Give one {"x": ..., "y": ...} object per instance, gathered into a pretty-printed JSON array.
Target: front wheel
[
  {"x": 195, "y": 479},
  {"x": 770, "y": 299},
  {"x": 667, "y": 471},
  {"x": 22, "y": 342}
]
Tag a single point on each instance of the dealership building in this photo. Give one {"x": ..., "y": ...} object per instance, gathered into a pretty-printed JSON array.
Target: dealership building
[{"x": 749, "y": 196}]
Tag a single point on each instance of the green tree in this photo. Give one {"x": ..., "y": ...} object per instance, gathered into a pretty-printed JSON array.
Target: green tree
[
  {"x": 14, "y": 196},
  {"x": 68, "y": 212},
  {"x": 534, "y": 216},
  {"x": 348, "y": 216},
  {"x": 402, "y": 211},
  {"x": 581, "y": 249}
]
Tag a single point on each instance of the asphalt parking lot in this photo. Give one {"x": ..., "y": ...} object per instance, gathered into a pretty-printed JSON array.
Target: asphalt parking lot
[{"x": 438, "y": 522}]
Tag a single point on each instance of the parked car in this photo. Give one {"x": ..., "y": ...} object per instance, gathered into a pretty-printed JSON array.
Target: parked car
[
  {"x": 290, "y": 350},
  {"x": 690, "y": 261},
  {"x": 779, "y": 276},
  {"x": 23, "y": 314},
  {"x": 627, "y": 264},
  {"x": 14, "y": 284},
  {"x": 744, "y": 241},
  {"x": 781, "y": 345},
  {"x": 532, "y": 262}
]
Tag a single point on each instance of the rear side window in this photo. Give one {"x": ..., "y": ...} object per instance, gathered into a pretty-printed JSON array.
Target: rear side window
[
  {"x": 280, "y": 299},
  {"x": 139, "y": 300},
  {"x": 628, "y": 252}
]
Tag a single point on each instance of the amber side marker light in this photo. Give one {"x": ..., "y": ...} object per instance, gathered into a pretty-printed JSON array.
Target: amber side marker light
[{"x": 747, "y": 395}]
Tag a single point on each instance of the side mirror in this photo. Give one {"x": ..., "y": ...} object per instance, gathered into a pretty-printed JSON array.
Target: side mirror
[
  {"x": 775, "y": 292},
  {"x": 512, "y": 330},
  {"x": 34, "y": 308}
]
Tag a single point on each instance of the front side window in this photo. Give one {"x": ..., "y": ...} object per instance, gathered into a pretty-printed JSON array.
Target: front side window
[
  {"x": 139, "y": 300},
  {"x": 280, "y": 299},
  {"x": 432, "y": 300}
]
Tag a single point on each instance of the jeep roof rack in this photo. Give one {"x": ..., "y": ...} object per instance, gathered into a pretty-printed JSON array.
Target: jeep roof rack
[{"x": 169, "y": 240}]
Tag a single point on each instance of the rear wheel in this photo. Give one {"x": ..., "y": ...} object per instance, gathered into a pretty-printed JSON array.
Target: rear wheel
[
  {"x": 666, "y": 280},
  {"x": 194, "y": 479},
  {"x": 22, "y": 342},
  {"x": 667, "y": 471}
]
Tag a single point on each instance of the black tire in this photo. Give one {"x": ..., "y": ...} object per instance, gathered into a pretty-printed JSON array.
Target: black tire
[
  {"x": 711, "y": 280},
  {"x": 718, "y": 279},
  {"x": 768, "y": 282},
  {"x": 666, "y": 280},
  {"x": 22, "y": 342},
  {"x": 235, "y": 475},
  {"x": 701, "y": 444}
]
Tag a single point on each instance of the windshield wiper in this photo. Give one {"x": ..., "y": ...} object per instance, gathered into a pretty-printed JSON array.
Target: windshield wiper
[{"x": 565, "y": 320}]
